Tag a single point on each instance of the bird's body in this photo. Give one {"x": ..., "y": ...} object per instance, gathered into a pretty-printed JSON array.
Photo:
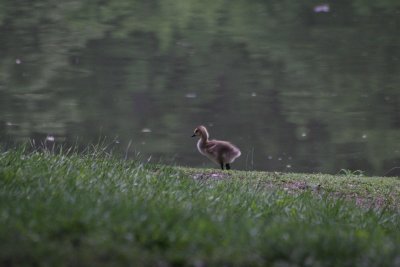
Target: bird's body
[{"x": 220, "y": 152}]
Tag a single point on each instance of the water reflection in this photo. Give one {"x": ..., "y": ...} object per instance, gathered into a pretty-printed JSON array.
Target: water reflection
[{"x": 299, "y": 87}]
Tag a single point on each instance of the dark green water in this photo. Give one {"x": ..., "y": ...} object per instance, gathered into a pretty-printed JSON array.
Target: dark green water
[{"x": 297, "y": 85}]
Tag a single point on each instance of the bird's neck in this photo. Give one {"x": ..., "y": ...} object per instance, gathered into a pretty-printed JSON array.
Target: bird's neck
[
  {"x": 204, "y": 135},
  {"x": 202, "y": 141},
  {"x": 204, "y": 138}
]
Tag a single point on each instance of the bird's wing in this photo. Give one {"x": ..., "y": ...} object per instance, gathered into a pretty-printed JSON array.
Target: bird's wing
[
  {"x": 210, "y": 147},
  {"x": 216, "y": 146}
]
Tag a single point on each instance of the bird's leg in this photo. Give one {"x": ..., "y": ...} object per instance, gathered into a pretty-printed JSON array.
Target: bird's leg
[
  {"x": 222, "y": 165},
  {"x": 228, "y": 167}
]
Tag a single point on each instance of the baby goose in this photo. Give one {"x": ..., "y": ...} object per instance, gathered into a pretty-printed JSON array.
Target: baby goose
[{"x": 221, "y": 152}]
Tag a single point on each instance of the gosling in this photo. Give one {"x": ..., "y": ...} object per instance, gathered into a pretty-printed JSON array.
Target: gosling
[{"x": 220, "y": 152}]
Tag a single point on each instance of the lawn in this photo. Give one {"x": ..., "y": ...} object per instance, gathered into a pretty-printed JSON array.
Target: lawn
[{"x": 95, "y": 209}]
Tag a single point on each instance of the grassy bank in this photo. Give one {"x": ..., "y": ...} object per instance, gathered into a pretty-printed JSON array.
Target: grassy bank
[{"x": 95, "y": 210}]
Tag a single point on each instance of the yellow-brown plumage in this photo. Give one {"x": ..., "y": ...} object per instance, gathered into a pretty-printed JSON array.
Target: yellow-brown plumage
[{"x": 221, "y": 152}]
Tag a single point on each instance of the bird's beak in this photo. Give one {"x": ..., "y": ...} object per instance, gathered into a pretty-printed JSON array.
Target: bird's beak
[{"x": 193, "y": 135}]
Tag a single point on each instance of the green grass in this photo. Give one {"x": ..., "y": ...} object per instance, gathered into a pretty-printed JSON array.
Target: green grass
[{"x": 93, "y": 209}]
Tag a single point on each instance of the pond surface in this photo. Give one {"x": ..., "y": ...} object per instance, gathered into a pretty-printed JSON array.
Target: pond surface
[{"x": 299, "y": 86}]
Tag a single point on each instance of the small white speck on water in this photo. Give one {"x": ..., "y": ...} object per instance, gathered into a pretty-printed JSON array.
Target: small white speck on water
[
  {"x": 290, "y": 158},
  {"x": 143, "y": 143},
  {"x": 18, "y": 61},
  {"x": 146, "y": 130},
  {"x": 364, "y": 136},
  {"x": 9, "y": 123},
  {"x": 253, "y": 94},
  {"x": 270, "y": 157},
  {"x": 50, "y": 138},
  {"x": 322, "y": 8},
  {"x": 302, "y": 132},
  {"x": 279, "y": 158},
  {"x": 288, "y": 166},
  {"x": 191, "y": 95}
]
